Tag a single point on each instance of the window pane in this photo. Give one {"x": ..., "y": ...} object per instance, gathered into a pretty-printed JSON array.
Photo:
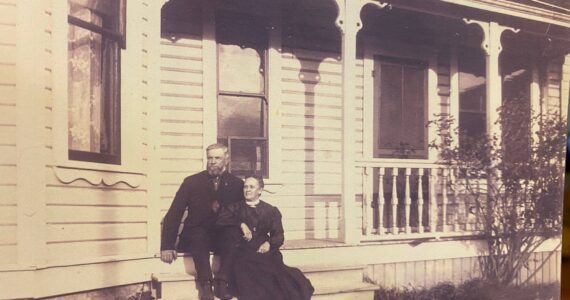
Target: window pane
[
  {"x": 400, "y": 129},
  {"x": 92, "y": 92},
  {"x": 516, "y": 116},
  {"x": 248, "y": 156},
  {"x": 472, "y": 123},
  {"x": 105, "y": 13},
  {"x": 390, "y": 105},
  {"x": 240, "y": 69},
  {"x": 472, "y": 92},
  {"x": 241, "y": 116},
  {"x": 413, "y": 117}
]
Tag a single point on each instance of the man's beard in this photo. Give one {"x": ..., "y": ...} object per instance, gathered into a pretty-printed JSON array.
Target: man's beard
[{"x": 215, "y": 170}]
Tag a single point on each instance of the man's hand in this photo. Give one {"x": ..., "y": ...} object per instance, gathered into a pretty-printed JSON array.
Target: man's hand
[
  {"x": 168, "y": 256},
  {"x": 264, "y": 248},
  {"x": 247, "y": 235}
]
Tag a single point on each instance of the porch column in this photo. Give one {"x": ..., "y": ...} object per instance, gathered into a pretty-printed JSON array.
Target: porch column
[
  {"x": 349, "y": 23},
  {"x": 491, "y": 44}
]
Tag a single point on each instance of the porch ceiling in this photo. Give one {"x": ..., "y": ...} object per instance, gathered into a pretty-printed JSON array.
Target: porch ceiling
[
  {"x": 527, "y": 15},
  {"x": 430, "y": 22}
]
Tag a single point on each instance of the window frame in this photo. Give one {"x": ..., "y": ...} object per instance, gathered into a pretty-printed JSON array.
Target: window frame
[
  {"x": 131, "y": 169},
  {"x": 114, "y": 122},
  {"x": 264, "y": 96},
  {"x": 482, "y": 110},
  {"x": 389, "y": 153},
  {"x": 532, "y": 68},
  {"x": 391, "y": 48}
]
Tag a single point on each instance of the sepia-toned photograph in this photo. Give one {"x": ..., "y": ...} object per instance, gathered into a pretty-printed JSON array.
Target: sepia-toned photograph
[{"x": 284, "y": 149}]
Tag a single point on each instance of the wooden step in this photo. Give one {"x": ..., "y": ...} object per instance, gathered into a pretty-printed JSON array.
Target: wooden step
[
  {"x": 323, "y": 277},
  {"x": 330, "y": 282},
  {"x": 362, "y": 291}
]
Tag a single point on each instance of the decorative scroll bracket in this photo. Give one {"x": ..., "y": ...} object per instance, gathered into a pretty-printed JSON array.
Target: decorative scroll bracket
[
  {"x": 344, "y": 20},
  {"x": 492, "y": 32}
]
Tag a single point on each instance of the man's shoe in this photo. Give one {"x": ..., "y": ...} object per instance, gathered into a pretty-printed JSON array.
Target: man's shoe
[
  {"x": 221, "y": 289},
  {"x": 205, "y": 290}
]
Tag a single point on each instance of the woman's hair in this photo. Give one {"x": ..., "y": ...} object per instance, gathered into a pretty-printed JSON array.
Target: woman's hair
[{"x": 258, "y": 178}]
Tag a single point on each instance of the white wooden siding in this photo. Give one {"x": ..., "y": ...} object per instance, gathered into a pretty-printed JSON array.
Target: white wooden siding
[
  {"x": 8, "y": 159},
  {"x": 181, "y": 114},
  {"x": 543, "y": 268},
  {"x": 553, "y": 90},
  {"x": 443, "y": 85},
  {"x": 87, "y": 221},
  {"x": 311, "y": 117},
  {"x": 145, "y": 84},
  {"x": 565, "y": 88}
]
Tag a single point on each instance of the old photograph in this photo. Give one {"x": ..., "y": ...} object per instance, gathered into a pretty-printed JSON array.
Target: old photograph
[{"x": 283, "y": 149}]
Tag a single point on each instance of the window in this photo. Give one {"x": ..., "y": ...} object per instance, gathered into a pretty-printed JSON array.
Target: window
[
  {"x": 400, "y": 108},
  {"x": 472, "y": 93},
  {"x": 242, "y": 91},
  {"x": 95, "y": 37},
  {"x": 516, "y": 74}
]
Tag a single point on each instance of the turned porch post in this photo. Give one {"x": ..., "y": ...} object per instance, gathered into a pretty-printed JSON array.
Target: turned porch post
[
  {"x": 349, "y": 23},
  {"x": 491, "y": 45}
]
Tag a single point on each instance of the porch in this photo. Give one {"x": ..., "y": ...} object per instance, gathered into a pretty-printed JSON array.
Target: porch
[
  {"x": 345, "y": 189},
  {"x": 323, "y": 116}
]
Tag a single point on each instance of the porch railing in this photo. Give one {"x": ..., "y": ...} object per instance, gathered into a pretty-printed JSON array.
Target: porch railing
[{"x": 412, "y": 198}]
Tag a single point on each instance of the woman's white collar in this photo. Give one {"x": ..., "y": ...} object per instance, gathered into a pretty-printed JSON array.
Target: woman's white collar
[{"x": 253, "y": 203}]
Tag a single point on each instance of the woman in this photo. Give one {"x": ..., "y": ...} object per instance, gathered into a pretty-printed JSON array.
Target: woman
[{"x": 258, "y": 271}]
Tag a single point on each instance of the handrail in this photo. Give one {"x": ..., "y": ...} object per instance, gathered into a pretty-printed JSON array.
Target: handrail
[
  {"x": 415, "y": 198},
  {"x": 397, "y": 163}
]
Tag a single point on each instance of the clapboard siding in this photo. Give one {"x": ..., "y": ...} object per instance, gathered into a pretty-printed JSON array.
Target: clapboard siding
[
  {"x": 90, "y": 220},
  {"x": 553, "y": 89},
  {"x": 146, "y": 77},
  {"x": 8, "y": 231},
  {"x": 8, "y": 156},
  {"x": 98, "y": 223},
  {"x": 443, "y": 84},
  {"x": 181, "y": 118},
  {"x": 99, "y": 231},
  {"x": 70, "y": 214},
  {"x": 72, "y": 251},
  {"x": 8, "y": 30},
  {"x": 542, "y": 269},
  {"x": 89, "y": 196},
  {"x": 311, "y": 131}
]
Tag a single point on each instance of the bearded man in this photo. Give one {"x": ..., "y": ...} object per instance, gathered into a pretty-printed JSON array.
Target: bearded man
[{"x": 203, "y": 195}]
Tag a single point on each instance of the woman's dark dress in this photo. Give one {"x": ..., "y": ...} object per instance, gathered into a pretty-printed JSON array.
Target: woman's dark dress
[{"x": 263, "y": 276}]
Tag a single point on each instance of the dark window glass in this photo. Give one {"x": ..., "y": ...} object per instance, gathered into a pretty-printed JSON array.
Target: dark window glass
[
  {"x": 95, "y": 37},
  {"x": 401, "y": 117},
  {"x": 472, "y": 93},
  {"x": 242, "y": 99},
  {"x": 516, "y": 73},
  {"x": 241, "y": 116}
]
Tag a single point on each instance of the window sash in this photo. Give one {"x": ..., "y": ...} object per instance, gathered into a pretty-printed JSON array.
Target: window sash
[
  {"x": 404, "y": 70},
  {"x": 258, "y": 42},
  {"x": 119, "y": 34},
  {"x": 472, "y": 93},
  {"x": 107, "y": 88},
  {"x": 230, "y": 141}
]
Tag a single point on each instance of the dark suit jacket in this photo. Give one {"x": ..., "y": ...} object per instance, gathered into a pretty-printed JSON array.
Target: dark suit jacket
[{"x": 196, "y": 194}]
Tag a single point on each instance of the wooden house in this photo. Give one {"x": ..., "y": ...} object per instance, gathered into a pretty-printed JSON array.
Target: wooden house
[{"x": 106, "y": 105}]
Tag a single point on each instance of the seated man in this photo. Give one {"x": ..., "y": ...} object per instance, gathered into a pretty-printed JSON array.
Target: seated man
[{"x": 203, "y": 195}]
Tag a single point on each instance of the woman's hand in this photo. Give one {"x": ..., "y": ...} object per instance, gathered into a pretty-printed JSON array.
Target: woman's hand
[
  {"x": 264, "y": 248},
  {"x": 246, "y": 232}
]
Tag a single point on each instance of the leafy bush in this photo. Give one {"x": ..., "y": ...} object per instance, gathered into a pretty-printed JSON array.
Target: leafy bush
[
  {"x": 514, "y": 178},
  {"x": 475, "y": 289}
]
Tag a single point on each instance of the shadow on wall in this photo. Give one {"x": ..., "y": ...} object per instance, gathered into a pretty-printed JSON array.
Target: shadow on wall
[{"x": 311, "y": 46}]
